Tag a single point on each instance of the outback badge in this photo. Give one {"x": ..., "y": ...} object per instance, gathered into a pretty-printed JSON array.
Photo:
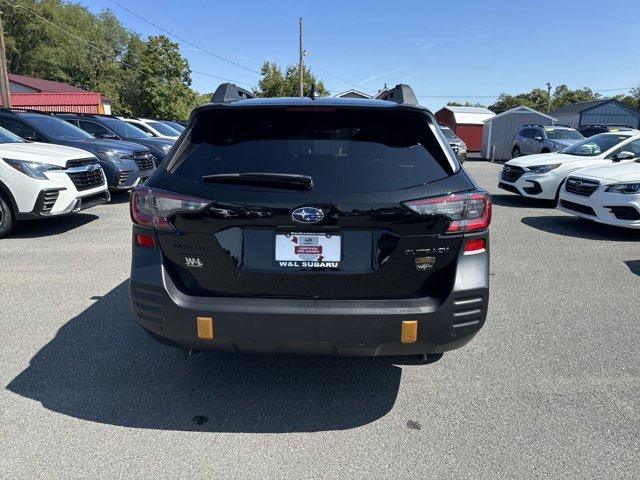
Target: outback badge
[
  {"x": 193, "y": 262},
  {"x": 424, "y": 263}
]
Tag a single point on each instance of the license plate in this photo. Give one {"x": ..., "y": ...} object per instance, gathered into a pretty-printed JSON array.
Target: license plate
[{"x": 308, "y": 250}]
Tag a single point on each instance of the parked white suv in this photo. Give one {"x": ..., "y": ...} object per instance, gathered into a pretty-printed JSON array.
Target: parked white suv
[
  {"x": 609, "y": 194},
  {"x": 153, "y": 127},
  {"x": 39, "y": 180},
  {"x": 540, "y": 176}
]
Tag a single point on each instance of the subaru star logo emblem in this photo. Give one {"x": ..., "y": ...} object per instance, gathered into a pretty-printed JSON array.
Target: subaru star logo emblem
[{"x": 307, "y": 215}]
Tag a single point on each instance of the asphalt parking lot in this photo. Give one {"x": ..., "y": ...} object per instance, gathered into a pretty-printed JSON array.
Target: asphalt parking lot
[{"x": 550, "y": 388}]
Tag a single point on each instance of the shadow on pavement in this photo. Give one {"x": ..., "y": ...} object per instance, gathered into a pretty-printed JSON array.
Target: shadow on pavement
[
  {"x": 51, "y": 226},
  {"x": 101, "y": 367},
  {"x": 634, "y": 266},
  {"x": 513, "y": 200},
  {"x": 581, "y": 228}
]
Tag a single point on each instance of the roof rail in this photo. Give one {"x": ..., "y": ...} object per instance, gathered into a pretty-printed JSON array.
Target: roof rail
[
  {"x": 401, "y": 93},
  {"x": 604, "y": 126},
  {"x": 230, "y": 92},
  {"x": 15, "y": 110}
]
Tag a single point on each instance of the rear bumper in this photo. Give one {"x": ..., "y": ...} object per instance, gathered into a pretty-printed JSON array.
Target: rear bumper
[{"x": 332, "y": 327}]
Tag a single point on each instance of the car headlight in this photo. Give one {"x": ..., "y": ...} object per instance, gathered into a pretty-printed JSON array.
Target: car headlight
[
  {"x": 559, "y": 146},
  {"x": 113, "y": 155},
  {"x": 543, "y": 168},
  {"x": 623, "y": 188},
  {"x": 32, "y": 169}
]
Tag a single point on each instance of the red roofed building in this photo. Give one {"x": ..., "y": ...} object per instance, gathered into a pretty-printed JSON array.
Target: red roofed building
[{"x": 49, "y": 96}]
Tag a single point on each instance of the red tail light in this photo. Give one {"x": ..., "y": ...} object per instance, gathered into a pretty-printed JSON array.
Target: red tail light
[
  {"x": 145, "y": 240},
  {"x": 473, "y": 245},
  {"x": 468, "y": 211},
  {"x": 153, "y": 208}
]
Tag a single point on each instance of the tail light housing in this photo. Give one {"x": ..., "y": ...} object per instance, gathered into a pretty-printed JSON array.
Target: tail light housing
[
  {"x": 468, "y": 211},
  {"x": 153, "y": 208}
]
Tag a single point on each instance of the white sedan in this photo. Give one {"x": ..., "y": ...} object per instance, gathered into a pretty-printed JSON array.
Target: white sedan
[
  {"x": 609, "y": 194},
  {"x": 541, "y": 176}
]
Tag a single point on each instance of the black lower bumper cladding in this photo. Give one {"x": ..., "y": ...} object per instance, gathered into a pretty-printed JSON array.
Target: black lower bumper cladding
[{"x": 331, "y": 327}]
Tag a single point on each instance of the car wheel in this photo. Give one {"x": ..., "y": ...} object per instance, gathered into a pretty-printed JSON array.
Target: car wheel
[
  {"x": 515, "y": 153},
  {"x": 545, "y": 150},
  {"x": 7, "y": 219}
]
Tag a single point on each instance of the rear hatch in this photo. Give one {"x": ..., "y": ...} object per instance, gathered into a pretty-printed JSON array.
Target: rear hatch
[{"x": 304, "y": 202}]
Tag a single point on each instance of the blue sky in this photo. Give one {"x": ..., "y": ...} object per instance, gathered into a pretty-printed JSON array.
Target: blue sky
[{"x": 458, "y": 50}]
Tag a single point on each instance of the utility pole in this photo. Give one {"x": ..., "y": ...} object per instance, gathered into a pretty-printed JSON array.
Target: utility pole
[
  {"x": 301, "y": 61},
  {"x": 4, "y": 76},
  {"x": 548, "y": 97}
]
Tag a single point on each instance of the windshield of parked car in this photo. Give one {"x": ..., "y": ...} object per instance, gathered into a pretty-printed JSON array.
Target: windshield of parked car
[
  {"x": 342, "y": 150},
  {"x": 124, "y": 129},
  {"x": 595, "y": 145},
  {"x": 176, "y": 126},
  {"x": 448, "y": 132},
  {"x": 7, "y": 137},
  {"x": 162, "y": 128},
  {"x": 563, "y": 134},
  {"x": 58, "y": 129}
]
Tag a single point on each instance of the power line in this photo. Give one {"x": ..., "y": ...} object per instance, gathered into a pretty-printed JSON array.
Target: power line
[
  {"x": 191, "y": 44},
  {"x": 106, "y": 53},
  {"x": 80, "y": 39},
  {"x": 115, "y": 57},
  {"x": 222, "y": 78}
]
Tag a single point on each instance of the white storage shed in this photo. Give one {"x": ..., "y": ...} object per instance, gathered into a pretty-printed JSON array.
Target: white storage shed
[{"x": 498, "y": 131}]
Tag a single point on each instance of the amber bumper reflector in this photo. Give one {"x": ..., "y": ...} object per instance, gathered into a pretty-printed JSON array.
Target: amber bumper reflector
[
  {"x": 205, "y": 327},
  {"x": 409, "y": 331}
]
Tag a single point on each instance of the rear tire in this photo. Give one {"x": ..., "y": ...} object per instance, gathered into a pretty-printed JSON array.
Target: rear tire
[
  {"x": 515, "y": 153},
  {"x": 7, "y": 217}
]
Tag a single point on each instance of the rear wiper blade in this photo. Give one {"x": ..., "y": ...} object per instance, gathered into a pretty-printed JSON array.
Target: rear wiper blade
[{"x": 276, "y": 180}]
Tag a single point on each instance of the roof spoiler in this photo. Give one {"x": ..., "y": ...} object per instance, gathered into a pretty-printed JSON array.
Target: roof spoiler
[
  {"x": 401, "y": 93},
  {"x": 230, "y": 92}
]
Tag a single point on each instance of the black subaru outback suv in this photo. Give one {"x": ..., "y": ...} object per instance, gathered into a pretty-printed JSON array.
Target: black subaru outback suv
[{"x": 304, "y": 225}]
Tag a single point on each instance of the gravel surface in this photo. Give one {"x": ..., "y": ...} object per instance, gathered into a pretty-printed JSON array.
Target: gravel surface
[{"x": 550, "y": 388}]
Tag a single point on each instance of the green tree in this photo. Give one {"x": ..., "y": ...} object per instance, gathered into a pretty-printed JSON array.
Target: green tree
[
  {"x": 164, "y": 80},
  {"x": 98, "y": 53},
  {"x": 276, "y": 83},
  {"x": 563, "y": 95},
  {"x": 36, "y": 47},
  {"x": 538, "y": 98},
  {"x": 632, "y": 98}
]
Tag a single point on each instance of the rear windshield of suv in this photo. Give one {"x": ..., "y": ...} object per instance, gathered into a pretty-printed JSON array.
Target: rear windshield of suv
[{"x": 343, "y": 150}]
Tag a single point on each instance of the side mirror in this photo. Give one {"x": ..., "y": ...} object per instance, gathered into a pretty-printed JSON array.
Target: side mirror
[
  {"x": 537, "y": 139},
  {"x": 624, "y": 155}
]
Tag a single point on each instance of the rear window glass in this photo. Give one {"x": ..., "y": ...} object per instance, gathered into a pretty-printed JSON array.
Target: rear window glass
[{"x": 342, "y": 150}]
